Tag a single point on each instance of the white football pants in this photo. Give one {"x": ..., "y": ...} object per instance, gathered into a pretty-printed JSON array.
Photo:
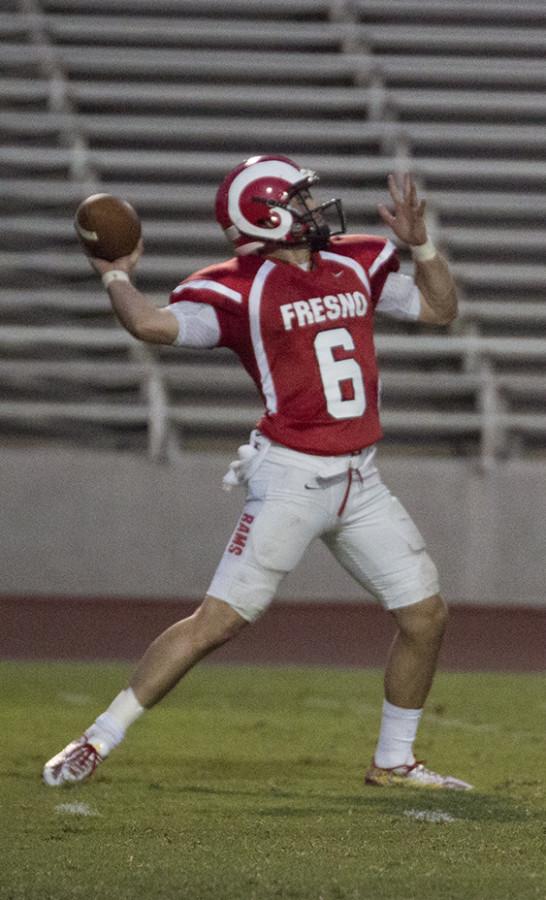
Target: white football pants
[{"x": 295, "y": 497}]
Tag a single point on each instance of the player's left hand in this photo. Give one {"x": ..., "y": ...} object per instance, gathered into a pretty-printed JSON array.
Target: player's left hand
[{"x": 408, "y": 220}]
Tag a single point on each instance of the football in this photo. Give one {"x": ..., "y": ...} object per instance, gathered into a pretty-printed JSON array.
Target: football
[{"x": 107, "y": 226}]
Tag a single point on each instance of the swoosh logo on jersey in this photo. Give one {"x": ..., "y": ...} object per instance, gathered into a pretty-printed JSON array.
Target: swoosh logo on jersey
[{"x": 338, "y": 274}]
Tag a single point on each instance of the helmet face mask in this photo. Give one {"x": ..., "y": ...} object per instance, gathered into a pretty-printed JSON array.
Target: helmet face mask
[
  {"x": 265, "y": 202},
  {"x": 310, "y": 219}
]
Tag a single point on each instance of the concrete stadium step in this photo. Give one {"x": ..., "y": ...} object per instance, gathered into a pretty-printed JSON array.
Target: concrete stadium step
[
  {"x": 197, "y": 199},
  {"x": 508, "y": 105},
  {"x": 274, "y": 9},
  {"x": 452, "y": 11},
  {"x": 433, "y": 39},
  {"x": 341, "y": 168},
  {"x": 187, "y": 130}
]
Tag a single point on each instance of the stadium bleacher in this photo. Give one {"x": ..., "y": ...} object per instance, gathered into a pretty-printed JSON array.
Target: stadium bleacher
[{"x": 154, "y": 100}]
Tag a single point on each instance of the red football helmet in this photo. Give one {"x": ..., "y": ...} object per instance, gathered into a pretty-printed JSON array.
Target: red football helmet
[{"x": 266, "y": 200}]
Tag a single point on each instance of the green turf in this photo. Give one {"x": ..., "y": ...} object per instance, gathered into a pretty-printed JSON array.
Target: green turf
[{"x": 247, "y": 783}]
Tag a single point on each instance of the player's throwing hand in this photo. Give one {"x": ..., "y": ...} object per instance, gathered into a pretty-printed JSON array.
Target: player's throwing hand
[
  {"x": 124, "y": 263},
  {"x": 408, "y": 219}
]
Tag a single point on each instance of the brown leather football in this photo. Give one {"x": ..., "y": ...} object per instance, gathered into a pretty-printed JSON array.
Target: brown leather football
[{"x": 107, "y": 226}]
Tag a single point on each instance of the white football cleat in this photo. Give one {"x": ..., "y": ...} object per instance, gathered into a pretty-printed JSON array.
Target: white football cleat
[
  {"x": 76, "y": 762},
  {"x": 416, "y": 775}
]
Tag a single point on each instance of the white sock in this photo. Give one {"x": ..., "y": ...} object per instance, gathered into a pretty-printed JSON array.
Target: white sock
[
  {"x": 110, "y": 727},
  {"x": 396, "y": 736}
]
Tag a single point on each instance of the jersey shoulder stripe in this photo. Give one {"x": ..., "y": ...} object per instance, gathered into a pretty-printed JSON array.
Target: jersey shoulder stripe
[
  {"x": 388, "y": 251},
  {"x": 377, "y": 255},
  {"x": 205, "y": 284},
  {"x": 225, "y": 281},
  {"x": 371, "y": 250}
]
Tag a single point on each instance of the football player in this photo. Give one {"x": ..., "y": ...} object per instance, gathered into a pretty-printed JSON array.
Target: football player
[{"x": 297, "y": 304}]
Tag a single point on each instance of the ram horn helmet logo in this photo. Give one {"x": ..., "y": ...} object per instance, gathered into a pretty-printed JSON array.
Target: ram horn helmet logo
[{"x": 266, "y": 200}]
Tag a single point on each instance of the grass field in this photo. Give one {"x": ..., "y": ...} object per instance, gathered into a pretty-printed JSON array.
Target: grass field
[{"x": 247, "y": 783}]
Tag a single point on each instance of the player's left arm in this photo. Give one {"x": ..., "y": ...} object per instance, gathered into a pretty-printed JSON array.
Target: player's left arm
[{"x": 432, "y": 275}]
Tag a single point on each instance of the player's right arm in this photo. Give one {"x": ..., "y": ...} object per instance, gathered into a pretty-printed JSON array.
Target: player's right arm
[
  {"x": 139, "y": 316},
  {"x": 136, "y": 312}
]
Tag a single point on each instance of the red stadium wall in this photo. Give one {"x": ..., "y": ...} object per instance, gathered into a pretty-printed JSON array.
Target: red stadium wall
[{"x": 342, "y": 634}]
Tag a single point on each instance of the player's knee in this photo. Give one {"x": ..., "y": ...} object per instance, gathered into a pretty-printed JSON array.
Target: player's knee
[
  {"x": 215, "y": 622},
  {"x": 424, "y": 621}
]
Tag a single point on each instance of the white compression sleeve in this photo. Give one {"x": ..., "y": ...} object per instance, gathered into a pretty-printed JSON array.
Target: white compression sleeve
[
  {"x": 400, "y": 298},
  {"x": 197, "y": 323}
]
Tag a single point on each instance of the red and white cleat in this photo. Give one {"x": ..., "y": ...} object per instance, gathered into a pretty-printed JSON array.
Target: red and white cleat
[
  {"x": 75, "y": 763},
  {"x": 416, "y": 775}
]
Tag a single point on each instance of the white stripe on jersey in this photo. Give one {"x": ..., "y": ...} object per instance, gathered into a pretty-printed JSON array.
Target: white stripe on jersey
[
  {"x": 202, "y": 283},
  {"x": 387, "y": 251},
  {"x": 254, "y": 304},
  {"x": 351, "y": 263}
]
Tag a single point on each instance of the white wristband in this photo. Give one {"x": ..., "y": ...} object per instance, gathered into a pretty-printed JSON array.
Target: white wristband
[
  {"x": 423, "y": 252},
  {"x": 114, "y": 275}
]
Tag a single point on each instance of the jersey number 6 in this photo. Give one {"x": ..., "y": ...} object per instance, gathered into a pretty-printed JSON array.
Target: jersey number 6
[{"x": 335, "y": 371}]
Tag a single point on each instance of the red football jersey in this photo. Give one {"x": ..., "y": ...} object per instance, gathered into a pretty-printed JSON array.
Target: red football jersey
[{"x": 306, "y": 338}]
